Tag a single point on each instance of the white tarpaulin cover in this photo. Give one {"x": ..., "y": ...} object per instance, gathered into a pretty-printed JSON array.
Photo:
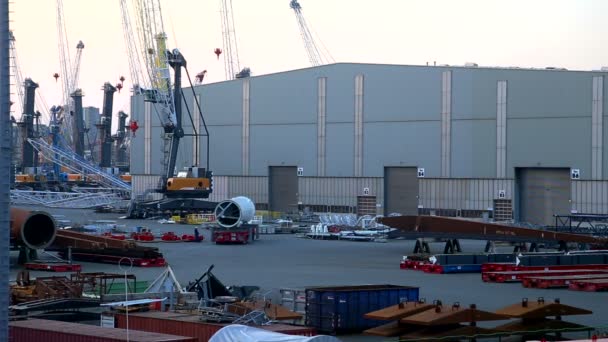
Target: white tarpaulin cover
[{"x": 243, "y": 333}]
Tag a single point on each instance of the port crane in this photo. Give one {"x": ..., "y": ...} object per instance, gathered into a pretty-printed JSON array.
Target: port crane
[
  {"x": 316, "y": 55},
  {"x": 189, "y": 188}
]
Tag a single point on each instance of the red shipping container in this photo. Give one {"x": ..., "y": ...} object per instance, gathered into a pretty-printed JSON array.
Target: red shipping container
[
  {"x": 56, "y": 331},
  {"x": 183, "y": 324}
]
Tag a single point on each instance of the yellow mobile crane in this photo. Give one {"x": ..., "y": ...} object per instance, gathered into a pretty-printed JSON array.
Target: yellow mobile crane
[{"x": 187, "y": 190}]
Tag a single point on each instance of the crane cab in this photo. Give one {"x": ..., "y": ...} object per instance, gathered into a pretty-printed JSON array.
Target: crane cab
[{"x": 193, "y": 182}]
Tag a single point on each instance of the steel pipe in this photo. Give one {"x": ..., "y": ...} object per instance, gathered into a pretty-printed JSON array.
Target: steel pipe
[{"x": 33, "y": 229}]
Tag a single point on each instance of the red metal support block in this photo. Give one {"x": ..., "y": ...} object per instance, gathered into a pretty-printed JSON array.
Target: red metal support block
[
  {"x": 486, "y": 277},
  {"x": 591, "y": 285},
  {"x": 53, "y": 267},
  {"x": 516, "y": 276}
]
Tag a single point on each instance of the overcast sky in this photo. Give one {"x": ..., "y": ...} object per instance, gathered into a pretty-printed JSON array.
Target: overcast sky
[{"x": 526, "y": 33}]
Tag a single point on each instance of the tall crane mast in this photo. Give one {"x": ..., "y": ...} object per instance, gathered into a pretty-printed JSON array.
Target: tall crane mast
[
  {"x": 104, "y": 126},
  {"x": 231, "y": 51},
  {"x": 78, "y": 123},
  {"x": 121, "y": 142},
  {"x": 316, "y": 56},
  {"x": 29, "y": 155}
]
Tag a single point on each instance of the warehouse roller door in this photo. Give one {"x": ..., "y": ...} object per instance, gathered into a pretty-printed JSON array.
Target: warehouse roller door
[
  {"x": 542, "y": 193},
  {"x": 400, "y": 190},
  {"x": 283, "y": 188}
]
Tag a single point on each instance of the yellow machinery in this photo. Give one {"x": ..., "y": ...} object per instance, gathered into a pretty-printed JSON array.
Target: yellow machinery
[
  {"x": 23, "y": 178},
  {"x": 195, "y": 182},
  {"x": 177, "y": 183},
  {"x": 29, "y": 178},
  {"x": 199, "y": 218}
]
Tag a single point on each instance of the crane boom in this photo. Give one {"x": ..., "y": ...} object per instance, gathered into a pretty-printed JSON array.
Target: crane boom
[
  {"x": 153, "y": 42},
  {"x": 19, "y": 80},
  {"x": 231, "y": 51},
  {"x": 16, "y": 70},
  {"x": 64, "y": 54},
  {"x": 76, "y": 67},
  {"x": 132, "y": 49},
  {"x": 315, "y": 55}
]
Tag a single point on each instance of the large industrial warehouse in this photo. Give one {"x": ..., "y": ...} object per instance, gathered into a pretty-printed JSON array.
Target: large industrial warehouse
[{"x": 512, "y": 143}]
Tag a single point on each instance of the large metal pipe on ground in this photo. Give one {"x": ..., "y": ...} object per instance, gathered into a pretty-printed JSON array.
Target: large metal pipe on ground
[
  {"x": 33, "y": 229},
  {"x": 234, "y": 212}
]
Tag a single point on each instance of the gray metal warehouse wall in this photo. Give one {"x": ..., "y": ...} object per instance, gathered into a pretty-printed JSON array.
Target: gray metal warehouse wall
[
  {"x": 468, "y": 127},
  {"x": 346, "y": 120}
]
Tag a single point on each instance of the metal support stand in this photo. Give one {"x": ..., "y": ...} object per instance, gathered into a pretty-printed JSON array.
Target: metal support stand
[
  {"x": 533, "y": 247},
  {"x": 421, "y": 247},
  {"x": 490, "y": 247},
  {"x": 521, "y": 247},
  {"x": 452, "y": 246}
]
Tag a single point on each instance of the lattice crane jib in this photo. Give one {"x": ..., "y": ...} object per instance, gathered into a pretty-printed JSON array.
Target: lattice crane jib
[
  {"x": 316, "y": 55},
  {"x": 231, "y": 51},
  {"x": 16, "y": 71},
  {"x": 76, "y": 67},
  {"x": 131, "y": 48},
  {"x": 65, "y": 63}
]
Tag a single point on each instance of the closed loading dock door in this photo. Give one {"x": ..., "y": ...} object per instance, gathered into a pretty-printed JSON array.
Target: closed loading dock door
[
  {"x": 400, "y": 190},
  {"x": 283, "y": 188},
  {"x": 542, "y": 193}
]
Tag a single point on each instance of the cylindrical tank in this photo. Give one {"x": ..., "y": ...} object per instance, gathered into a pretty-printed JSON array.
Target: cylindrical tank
[
  {"x": 34, "y": 229},
  {"x": 235, "y": 211}
]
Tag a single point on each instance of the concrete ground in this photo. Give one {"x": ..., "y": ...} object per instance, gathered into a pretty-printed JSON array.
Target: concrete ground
[{"x": 285, "y": 261}]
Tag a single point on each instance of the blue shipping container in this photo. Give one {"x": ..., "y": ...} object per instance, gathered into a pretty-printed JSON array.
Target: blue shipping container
[{"x": 341, "y": 309}]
